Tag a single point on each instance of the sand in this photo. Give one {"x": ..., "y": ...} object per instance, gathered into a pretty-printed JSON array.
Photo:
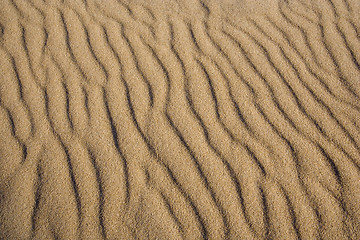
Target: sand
[{"x": 189, "y": 119}]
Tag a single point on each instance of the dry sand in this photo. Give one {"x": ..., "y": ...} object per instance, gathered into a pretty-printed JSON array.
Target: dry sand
[{"x": 189, "y": 119}]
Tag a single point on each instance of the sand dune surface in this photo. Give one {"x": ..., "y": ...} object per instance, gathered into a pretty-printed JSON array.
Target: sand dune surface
[{"x": 187, "y": 119}]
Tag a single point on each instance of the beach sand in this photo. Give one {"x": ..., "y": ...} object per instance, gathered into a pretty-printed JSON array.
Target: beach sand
[{"x": 188, "y": 119}]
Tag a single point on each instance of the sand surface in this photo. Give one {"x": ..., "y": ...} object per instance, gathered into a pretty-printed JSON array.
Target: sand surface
[{"x": 189, "y": 119}]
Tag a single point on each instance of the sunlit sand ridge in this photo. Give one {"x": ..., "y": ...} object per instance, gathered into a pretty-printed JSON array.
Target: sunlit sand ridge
[{"x": 186, "y": 119}]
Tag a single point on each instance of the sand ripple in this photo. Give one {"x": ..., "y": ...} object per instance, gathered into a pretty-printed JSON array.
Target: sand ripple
[{"x": 192, "y": 119}]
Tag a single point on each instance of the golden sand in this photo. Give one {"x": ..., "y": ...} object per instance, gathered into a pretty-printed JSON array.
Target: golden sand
[{"x": 189, "y": 119}]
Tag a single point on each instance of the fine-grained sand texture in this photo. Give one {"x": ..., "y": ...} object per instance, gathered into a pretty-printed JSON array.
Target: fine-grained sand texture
[{"x": 189, "y": 119}]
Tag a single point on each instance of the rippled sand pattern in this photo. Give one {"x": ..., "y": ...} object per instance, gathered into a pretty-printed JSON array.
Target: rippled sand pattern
[{"x": 192, "y": 119}]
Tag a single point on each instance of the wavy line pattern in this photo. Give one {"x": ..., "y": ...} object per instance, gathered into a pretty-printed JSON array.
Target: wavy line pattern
[{"x": 192, "y": 119}]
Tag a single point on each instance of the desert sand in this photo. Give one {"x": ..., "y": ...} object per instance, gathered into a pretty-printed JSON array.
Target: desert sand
[{"x": 188, "y": 119}]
